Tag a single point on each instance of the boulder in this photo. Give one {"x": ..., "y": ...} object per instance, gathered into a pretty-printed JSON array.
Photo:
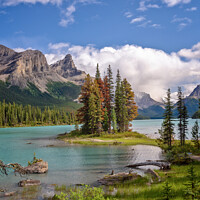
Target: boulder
[
  {"x": 29, "y": 182},
  {"x": 39, "y": 167}
]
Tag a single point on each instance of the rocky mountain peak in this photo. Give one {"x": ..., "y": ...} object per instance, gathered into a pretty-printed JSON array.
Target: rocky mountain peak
[
  {"x": 196, "y": 93},
  {"x": 67, "y": 69},
  {"x": 144, "y": 100},
  {"x": 5, "y": 51}
]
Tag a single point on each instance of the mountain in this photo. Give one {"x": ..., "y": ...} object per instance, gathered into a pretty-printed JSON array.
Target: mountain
[
  {"x": 192, "y": 101},
  {"x": 26, "y": 77},
  {"x": 148, "y": 107}
]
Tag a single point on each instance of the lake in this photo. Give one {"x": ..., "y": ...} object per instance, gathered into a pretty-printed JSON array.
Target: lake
[{"x": 72, "y": 164}]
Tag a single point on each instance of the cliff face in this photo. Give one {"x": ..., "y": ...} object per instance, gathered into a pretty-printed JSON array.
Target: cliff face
[{"x": 31, "y": 67}]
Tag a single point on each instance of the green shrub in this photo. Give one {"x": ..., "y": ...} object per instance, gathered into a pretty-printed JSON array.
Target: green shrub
[{"x": 82, "y": 193}]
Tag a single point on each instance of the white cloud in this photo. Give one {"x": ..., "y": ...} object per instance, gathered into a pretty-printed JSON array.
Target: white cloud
[
  {"x": 153, "y": 6},
  {"x": 143, "y": 6},
  {"x": 182, "y": 22},
  {"x": 52, "y": 58},
  {"x": 68, "y": 17},
  {"x": 149, "y": 70},
  {"x": 171, "y": 3},
  {"x": 191, "y": 9},
  {"x": 193, "y": 53},
  {"x": 156, "y": 25},
  {"x": 128, "y": 14},
  {"x": 57, "y": 46},
  {"x": 22, "y": 49},
  {"x": 138, "y": 19}
]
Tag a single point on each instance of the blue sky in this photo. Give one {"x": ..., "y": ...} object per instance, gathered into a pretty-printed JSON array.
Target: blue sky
[
  {"x": 150, "y": 41},
  {"x": 169, "y": 25}
]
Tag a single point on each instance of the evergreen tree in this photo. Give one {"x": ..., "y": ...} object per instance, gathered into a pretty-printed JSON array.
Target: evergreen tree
[
  {"x": 114, "y": 120},
  {"x": 130, "y": 102},
  {"x": 180, "y": 114},
  {"x": 195, "y": 135},
  {"x": 123, "y": 111},
  {"x": 166, "y": 192},
  {"x": 118, "y": 98},
  {"x": 185, "y": 123},
  {"x": 97, "y": 75},
  {"x": 105, "y": 121},
  {"x": 83, "y": 114},
  {"x": 168, "y": 125},
  {"x": 110, "y": 85},
  {"x": 192, "y": 190},
  {"x": 92, "y": 114}
]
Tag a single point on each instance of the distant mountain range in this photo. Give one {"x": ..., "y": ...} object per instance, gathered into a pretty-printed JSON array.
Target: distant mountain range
[
  {"x": 26, "y": 78},
  {"x": 150, "y": 108}
]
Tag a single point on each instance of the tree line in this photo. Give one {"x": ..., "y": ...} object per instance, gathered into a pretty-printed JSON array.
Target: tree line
[
  {"x": 19, "y": 115},
  {"x": 106, "y": 107}
]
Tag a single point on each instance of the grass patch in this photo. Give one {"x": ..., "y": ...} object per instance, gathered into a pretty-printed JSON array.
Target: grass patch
[
  {"x": 141, "y": 188},
  {"x": 126, "y": 138}
]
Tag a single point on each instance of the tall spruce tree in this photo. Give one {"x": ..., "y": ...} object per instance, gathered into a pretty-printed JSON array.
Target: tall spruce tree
[
  {"x": 196, "y": 135},
  {"x": 130, "y": 102},
  {"x": 82, "y": 113},
  {"x": 111, "y": 95},
  {"x": 123, "y": 111},
  {"x": 118, "y": 98},
  {"x": 180, "y": 114},
  {"x": 114, "y": 120},
  {"x": 185, "y": 124},
  {"x": 168, "y": 125}
]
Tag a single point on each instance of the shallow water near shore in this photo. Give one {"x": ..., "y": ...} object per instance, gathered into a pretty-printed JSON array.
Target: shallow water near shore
[{"x": 68, "y": 164}]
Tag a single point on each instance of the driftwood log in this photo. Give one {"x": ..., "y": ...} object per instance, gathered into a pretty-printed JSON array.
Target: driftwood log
[{"x": 162, "y": 165}]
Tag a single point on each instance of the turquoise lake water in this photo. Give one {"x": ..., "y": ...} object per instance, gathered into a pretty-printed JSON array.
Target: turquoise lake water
[{"x": 71, "y": 164}]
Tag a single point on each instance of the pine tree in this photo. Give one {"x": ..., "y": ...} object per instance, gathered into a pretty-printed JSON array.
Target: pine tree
[
  {"x": 192, "y": 186},
  {"x": 130, "y": 102},
  {"x": 167, "y": 191},
  {"x": 195, "y": 135},
  {"x": 180, "y": 114},
  {"x": 168, "y": 125},
  {"x": 92, "y": 114},
  {"x": 118, "y": 98},
  {"x": 82, "y": 113},
  {"x": 105, "y": 121},
  {"x": 111, "y": 95},
  {"x": 185, "y": 123},
  {"x": 97, "y": 75},
  {"x": 114, "y": 120},
  {"x": 123, "y": 111}
]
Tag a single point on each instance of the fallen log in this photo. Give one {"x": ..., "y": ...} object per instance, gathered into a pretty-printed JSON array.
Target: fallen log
[{"x": 162, "y": 165}]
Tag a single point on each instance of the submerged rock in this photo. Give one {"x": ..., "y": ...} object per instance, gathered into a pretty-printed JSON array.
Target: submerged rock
[
  {"x": 29, "y": 182},
  {"x": 39, "y": 167}
]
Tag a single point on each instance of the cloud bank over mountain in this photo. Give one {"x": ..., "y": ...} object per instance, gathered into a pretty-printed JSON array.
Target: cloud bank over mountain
[{"x": 148, "y": 70}]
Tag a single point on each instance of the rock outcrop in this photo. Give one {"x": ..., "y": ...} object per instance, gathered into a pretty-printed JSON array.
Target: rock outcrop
[{"x": 39, "y": 167}]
